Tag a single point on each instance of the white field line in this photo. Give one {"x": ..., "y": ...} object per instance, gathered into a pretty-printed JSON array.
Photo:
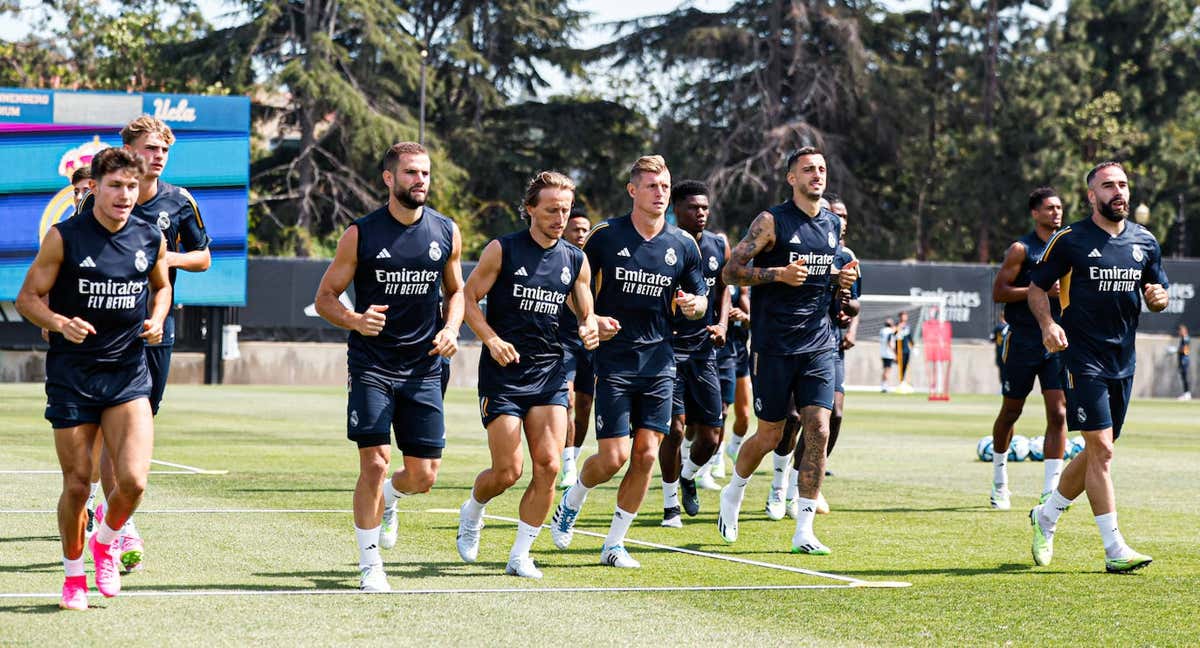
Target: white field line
[
  {"x": 59, "y": 472},
  {"x": 198, "y": 471}
]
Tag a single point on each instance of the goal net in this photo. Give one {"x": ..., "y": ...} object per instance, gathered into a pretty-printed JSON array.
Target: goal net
[{"x": 920, "y": 364}]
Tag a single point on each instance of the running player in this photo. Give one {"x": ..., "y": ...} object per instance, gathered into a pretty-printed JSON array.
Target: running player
[
  {"x": 1107, "y": 266},
  {"x": 526, "y": 277},
  {"x": 396, "y": 256},
  {"x": 578, "y": 363},
  {"x": 696, "y": 399},
  {"x": 95, "y": 280},
  {"x": 740, "y": 394},
  {"x": 644, "y": 270},
  {"x": 904, "y": 351},
  {"x": 792, "y": 247},
  {"x": 1023, "y": 355},
  {"x": 1183, "y": 359}
]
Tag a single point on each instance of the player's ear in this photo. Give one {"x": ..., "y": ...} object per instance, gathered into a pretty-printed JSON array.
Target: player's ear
[
  {"x": 388, "y": 178},
  {"x": 631, "y": 188}
]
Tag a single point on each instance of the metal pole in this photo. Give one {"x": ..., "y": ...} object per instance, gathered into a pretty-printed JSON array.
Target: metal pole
[
  {"x": 1181, "y": 231},
  {"x": 424, "y": 58}
]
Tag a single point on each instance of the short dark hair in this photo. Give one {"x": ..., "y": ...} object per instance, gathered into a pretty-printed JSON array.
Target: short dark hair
[
  {"x": 1039, "y": 195},
  {"x": 688, "y": 188},
  {"x": 115, "y": 159},
  {"x": 395, "y": 151},
  {"x": 832, "y": 198},
  {"x": 82, "y": 173},
  {"x": 579, "y": 211},
  {"x": 801, "y": 152},
  {"x": 1096, "y": 169}
]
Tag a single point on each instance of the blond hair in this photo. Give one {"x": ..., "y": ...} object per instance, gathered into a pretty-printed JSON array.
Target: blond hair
[
  {"x": 146, "y": 125},
  {"x": 647, "y": 164}
]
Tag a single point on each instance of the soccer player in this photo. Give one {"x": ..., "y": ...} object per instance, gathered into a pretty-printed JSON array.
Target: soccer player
[
  {"x": 999, "y": 333},
  {"x": 792, "y": 247},
  {"x": 578, "y": 363},
  {"x": 644, "y": 270},
  {"x": 81, "y": 182},
  {"x": 400, "y": 331},
  {"x": 741, "y": 393},
  {"x": 526, "y": 277},
  {"x": 1023, "y": 355},
  {"x": 1107, "y": 266},
  {"x": 696, "y": 398},
  {"x": 904, "y": 351},
  {"x": 1183, "y": 353},
  {"x": 887, "y": 351},
  {"x": 99, "y": 284}
]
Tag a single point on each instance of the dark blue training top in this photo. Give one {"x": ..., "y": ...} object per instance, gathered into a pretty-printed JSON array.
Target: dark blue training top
[
  {"x": 1017, "y": 314},
  {"x": 400, "y": 266},
  {"x": 105, "y": 279},
  {"x": 568, "y": 329},
  {"x": 634, "y": 280},
  {"x": 691, "y": 338},
  {"x": 843, "y": 256},
  {"x": 524, "y": 307},
  {"x": 1100, "y": 286},
  {"x": 785, "y": 319}
]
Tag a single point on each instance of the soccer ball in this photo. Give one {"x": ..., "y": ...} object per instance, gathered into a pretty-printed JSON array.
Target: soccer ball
[
  {"x": 1076, "y": 445},
  {"x": 1037, "y": 448},
  {"x": 983, "y": 449},
  {"x": 1018, "y": 450}
]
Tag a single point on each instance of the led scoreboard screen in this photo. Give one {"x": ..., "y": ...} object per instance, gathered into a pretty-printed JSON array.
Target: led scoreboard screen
[{"x": 46, "y": 134}]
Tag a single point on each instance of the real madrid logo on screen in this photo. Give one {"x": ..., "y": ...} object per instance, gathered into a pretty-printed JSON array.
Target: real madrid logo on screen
[{"x": 62, "y": 205}]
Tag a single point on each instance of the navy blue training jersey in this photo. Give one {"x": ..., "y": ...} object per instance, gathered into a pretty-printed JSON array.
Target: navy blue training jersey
[
  {"x": 105, "y": 280},
  {"x": 785, "y": 319},
  {"x": 691, "y": 337},
  {"x": 1017, "y": 314},
  {"x": 524, "y": 307},
  {"x": 568, "y": 328},
  {"x": 400, "y": 266},
  {"x": 843, "y": 256},
  {"x": 1100, "y": 286},
  {"x": 634, "y": 280}
]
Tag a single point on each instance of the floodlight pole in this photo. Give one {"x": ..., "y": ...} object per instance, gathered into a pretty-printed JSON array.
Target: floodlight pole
[{"x": 424, "y": 59}]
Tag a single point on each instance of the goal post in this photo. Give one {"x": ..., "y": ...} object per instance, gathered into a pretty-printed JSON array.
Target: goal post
[{"x": 927, "y": 334}]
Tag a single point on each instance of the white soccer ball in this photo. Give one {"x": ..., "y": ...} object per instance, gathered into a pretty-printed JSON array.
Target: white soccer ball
[
  {"x": 983, "y": 449},
  {"x": 1037, "y": 446},
  {"x": 1018, "y": 450},
  {"x": 1076, "y": 445}
]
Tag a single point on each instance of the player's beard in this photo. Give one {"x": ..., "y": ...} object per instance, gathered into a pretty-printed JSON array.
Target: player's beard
[
  {"x": 1107, "y": 211},
  {"x": 406, "y": 198}
]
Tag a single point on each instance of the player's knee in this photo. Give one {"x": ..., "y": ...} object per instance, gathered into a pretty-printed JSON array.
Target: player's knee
[
  {"x": 547, "y": 466},
  {"x": 422, "y": 480},
  {"x": 611, "y": 462},
  {"x": 506, "y": 475},
  {"x": 1057, "y": 420},
  {"x": 76, "y": 488},
  {"x": 1099, "y": 452},
  {"x": 132, "y": 485},
  {"x": 374, "y": 468},
  {"x": 643, "y": 459}
]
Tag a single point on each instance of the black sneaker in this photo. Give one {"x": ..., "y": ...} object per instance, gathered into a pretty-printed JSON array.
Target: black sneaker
[
  {"x": 687, "y": 494},
  {"x": 672, "y": 518}
]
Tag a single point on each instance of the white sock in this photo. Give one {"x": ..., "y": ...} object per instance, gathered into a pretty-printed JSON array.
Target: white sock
[
  {"x": 779, "y": 478},
  {"x": 568, "y": 460},
  {"x": 1054, "y": 468},
  {"x": 804, "y": 517},
  {"x": 1000, "y": 468},
  {"x": 473, "y": 508},
  {"x": 717, "y": 456},
  {"x": 1052, "y": 509},
  {"x": 1114, "y": 543},
  {"x": 391, "y": 495},
  {"x": 526, "y": 534},
  {"x": 95, "y": 489},
  {"x": 368, "y": 547},
  {"x": 735, "y": 444},
  {"x": 105, "y": 534},
  {"x": 670, "y": 494},
  {"x": 620, "y": 526},
  {"x": 793, "y": 490},
  {"x": 689, "y": 468},
  {"x": 737, "y": 486},
  {"x": 73, "y": 567},
  {"x": 576, "y": 451},
  {"x": 576, "y": 495}
]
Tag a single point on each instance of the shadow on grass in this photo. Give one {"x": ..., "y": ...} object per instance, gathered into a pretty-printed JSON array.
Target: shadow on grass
[
  {"x": 31, "y": 539},
  {"x": 902, "y": 509},
  {"x": 347, "y": 491},
  {"x": 34, "y": 567},
  {"x": 1006, "y": 568},
  {"x": 48, "y": 608}
]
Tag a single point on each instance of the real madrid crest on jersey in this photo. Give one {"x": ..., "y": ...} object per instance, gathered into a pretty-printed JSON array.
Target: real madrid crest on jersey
[
  {"x": 712, "y": 263},
  {"x": 670, "y": 256},
  {"x": 1137, "y": 254},
  {"x": 140, "y": 261},
  {"x": 164, "y": 221},
  {"x": 435, "y": 250},
  {"x": 832, "y": 240},
  {"x": 565, "y": 275}
]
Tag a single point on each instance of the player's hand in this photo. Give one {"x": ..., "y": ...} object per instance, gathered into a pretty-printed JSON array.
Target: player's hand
[
  {"x": 152, "y": 331},
  {"x": 848, "y": 342},
  {"x": 371, "y": 321},
  {"x": 848, "y": 275},
  {"x": 794, "y": 273},
  {"x": 1054, "y": 338},
  {"x": 445, "y": 343},
  {"x": 717, "y": 333},
  {"x": 1156, "y": 297},
  {"x": 1054, "y": 290},
  {"x": 689, "y": 305},
  {"x": 589, "y": 332},
  {"x": 502, "y": 352},
  {"x": 609, "y": 327},
  {"x": 738, "y": 315},
  {"x": 76, "y": 329},
  {"x": 45, "y": 335}
]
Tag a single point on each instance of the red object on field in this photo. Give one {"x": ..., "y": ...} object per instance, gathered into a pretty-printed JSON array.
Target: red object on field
[{"x": 935, "y": 337}]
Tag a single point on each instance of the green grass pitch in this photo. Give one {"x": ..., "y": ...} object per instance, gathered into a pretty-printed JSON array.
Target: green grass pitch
[{"x": 909, "y": 504}]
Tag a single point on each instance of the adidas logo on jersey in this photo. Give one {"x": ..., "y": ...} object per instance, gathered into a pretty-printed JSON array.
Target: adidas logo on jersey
[
  {"x": 624, "y": 252},
  {"x": 87, "y": 263},
  {"x": 1094, "y": 254},
  {"x": 795, "y": 239},
  {"x": 521, "y": 272},
  {"x": 383, "y": 254}
]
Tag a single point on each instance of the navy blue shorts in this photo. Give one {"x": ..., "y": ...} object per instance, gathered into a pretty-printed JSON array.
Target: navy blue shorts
[
  {"x": 803, "y": 378},
  {"x": 158, "y": 362},
  {"x": 839, "y": 372},
  {"x": 742, "y": 347},
  {"x": 697, "y": 391},
  {"x": 1024, "y": 360},
  {"x": 1095, "y": 403},
  {"x": 79, "y": 389},
  {"x": 627, "y": 403},
  {"x": 728, "y": 376},
  {"x": 493, "y": 406},
  {"x": 578, "y": 366},
  {"x": 411, "y": 407}
]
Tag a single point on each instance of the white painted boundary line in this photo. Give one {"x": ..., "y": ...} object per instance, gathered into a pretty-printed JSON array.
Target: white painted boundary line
[
  {"x": 59, "y": 472},
  {"x": 198, "y": 471}
]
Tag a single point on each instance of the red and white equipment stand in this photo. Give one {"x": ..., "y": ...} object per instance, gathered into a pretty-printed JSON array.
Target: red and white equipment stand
[{"x": 935, "y": 334}]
